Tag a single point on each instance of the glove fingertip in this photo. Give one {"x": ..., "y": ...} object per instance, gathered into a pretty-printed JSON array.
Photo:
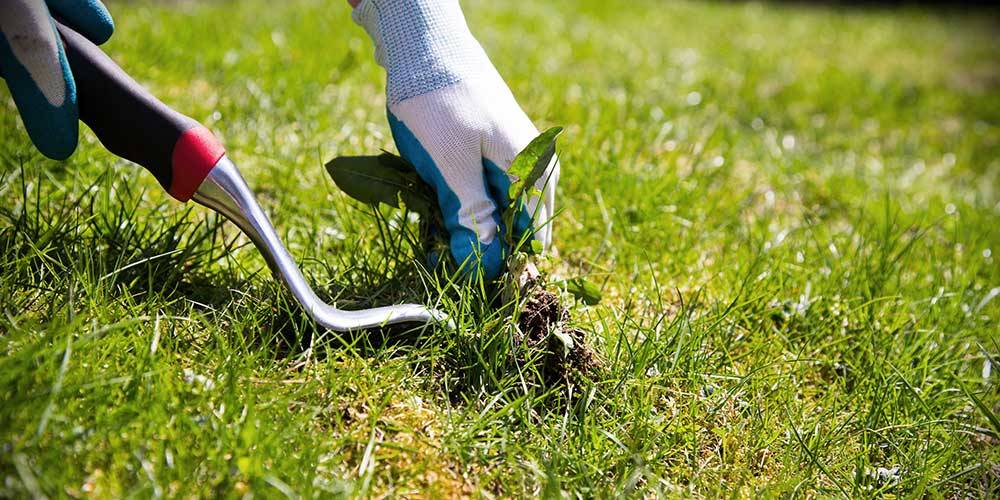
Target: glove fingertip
[
  {"x": 58, "y": 146},
  {"x": 54, "y": 131},
  {"x": 50, "y": 116},
  {"x": 102, "y": 30},
  {"x": 89, "y": 17}
]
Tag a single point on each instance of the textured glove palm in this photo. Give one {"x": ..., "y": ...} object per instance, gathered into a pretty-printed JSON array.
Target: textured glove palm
[
  {"x": 453, "y": 117},
  {"x": 33, "y": 64}
]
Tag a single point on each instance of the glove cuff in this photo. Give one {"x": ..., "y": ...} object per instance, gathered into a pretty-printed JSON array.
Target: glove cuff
[{"x": 424, "y": 45}]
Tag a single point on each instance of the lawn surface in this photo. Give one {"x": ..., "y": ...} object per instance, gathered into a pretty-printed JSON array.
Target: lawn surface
[{"x": 793, "y": 213}]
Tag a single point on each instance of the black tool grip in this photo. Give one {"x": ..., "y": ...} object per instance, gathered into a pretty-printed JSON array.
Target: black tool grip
[{"x": 131, "y": 122}]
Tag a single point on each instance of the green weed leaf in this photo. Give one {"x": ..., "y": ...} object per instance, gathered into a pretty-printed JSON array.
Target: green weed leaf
[
  {"x": 583, "y": 290},
  {"x": 536, "y": 247},
  {"x": 529, "y": 165},
  {"x": 385, "y": 178}
]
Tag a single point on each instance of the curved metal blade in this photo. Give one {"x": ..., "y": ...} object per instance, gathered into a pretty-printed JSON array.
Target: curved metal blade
[{"x": 225, "y": 191}]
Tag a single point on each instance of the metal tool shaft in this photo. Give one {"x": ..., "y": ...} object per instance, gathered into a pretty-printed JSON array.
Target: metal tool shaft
[
  {"x": 225, "y": 191},
  {"x": 189, "y": 162}
]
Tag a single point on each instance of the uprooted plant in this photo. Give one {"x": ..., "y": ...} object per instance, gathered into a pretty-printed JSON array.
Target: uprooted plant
[{"x": 541, "y": 318}]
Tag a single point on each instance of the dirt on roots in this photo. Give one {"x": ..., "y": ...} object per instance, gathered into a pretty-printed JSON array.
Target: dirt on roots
[{"x": 542, "y": 318}]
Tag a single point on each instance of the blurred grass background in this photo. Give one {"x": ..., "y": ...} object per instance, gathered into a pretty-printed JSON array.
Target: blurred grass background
[{"x": 792, "y": 210}]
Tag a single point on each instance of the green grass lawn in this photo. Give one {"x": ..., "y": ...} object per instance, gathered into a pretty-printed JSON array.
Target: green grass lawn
[{"x": 793, "y": 213}]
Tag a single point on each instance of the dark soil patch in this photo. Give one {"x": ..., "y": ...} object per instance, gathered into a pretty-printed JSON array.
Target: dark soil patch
[{"x": 541, "y": 319}]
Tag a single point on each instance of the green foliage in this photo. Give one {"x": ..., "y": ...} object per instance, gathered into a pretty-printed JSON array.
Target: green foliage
[
  {"x": 793, "y": 227},
  {"x": 529, "y": 165},
  {"x": 527, "y": 168},
  {"x": 583, "y": 290},
  {"x": 385, "y": 178}
]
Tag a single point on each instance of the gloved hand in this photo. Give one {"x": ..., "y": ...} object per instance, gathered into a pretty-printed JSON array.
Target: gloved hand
[
  {"x": 35, "y": 68},
  {"x": 453, "y": 117}
]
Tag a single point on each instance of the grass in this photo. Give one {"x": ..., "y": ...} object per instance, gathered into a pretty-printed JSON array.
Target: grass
[{"x": 792, "y": 212}]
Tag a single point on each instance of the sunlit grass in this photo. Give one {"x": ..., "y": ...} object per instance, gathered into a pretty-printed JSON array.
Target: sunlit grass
[{"x": 792, "y": 211}]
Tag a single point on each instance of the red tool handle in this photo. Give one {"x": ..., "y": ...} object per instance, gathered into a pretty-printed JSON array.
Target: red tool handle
[{"x": 134, "y": 125}]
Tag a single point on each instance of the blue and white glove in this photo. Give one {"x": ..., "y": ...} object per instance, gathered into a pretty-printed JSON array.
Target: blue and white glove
[
  {"x": 453, "y": 117},
  {"x": 34, "y": 66}
]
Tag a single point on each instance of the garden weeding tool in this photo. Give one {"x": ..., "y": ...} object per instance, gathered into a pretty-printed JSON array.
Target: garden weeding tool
[{"x": 190, "y": 163}]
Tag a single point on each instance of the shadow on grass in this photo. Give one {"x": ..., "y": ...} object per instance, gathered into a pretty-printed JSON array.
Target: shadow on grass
[
  {"x": 286, "y": 329},
  {"x": 105, "y": 243},
  {"x": 49, "y": 240},
  {"x": 105, "y": 239}
]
